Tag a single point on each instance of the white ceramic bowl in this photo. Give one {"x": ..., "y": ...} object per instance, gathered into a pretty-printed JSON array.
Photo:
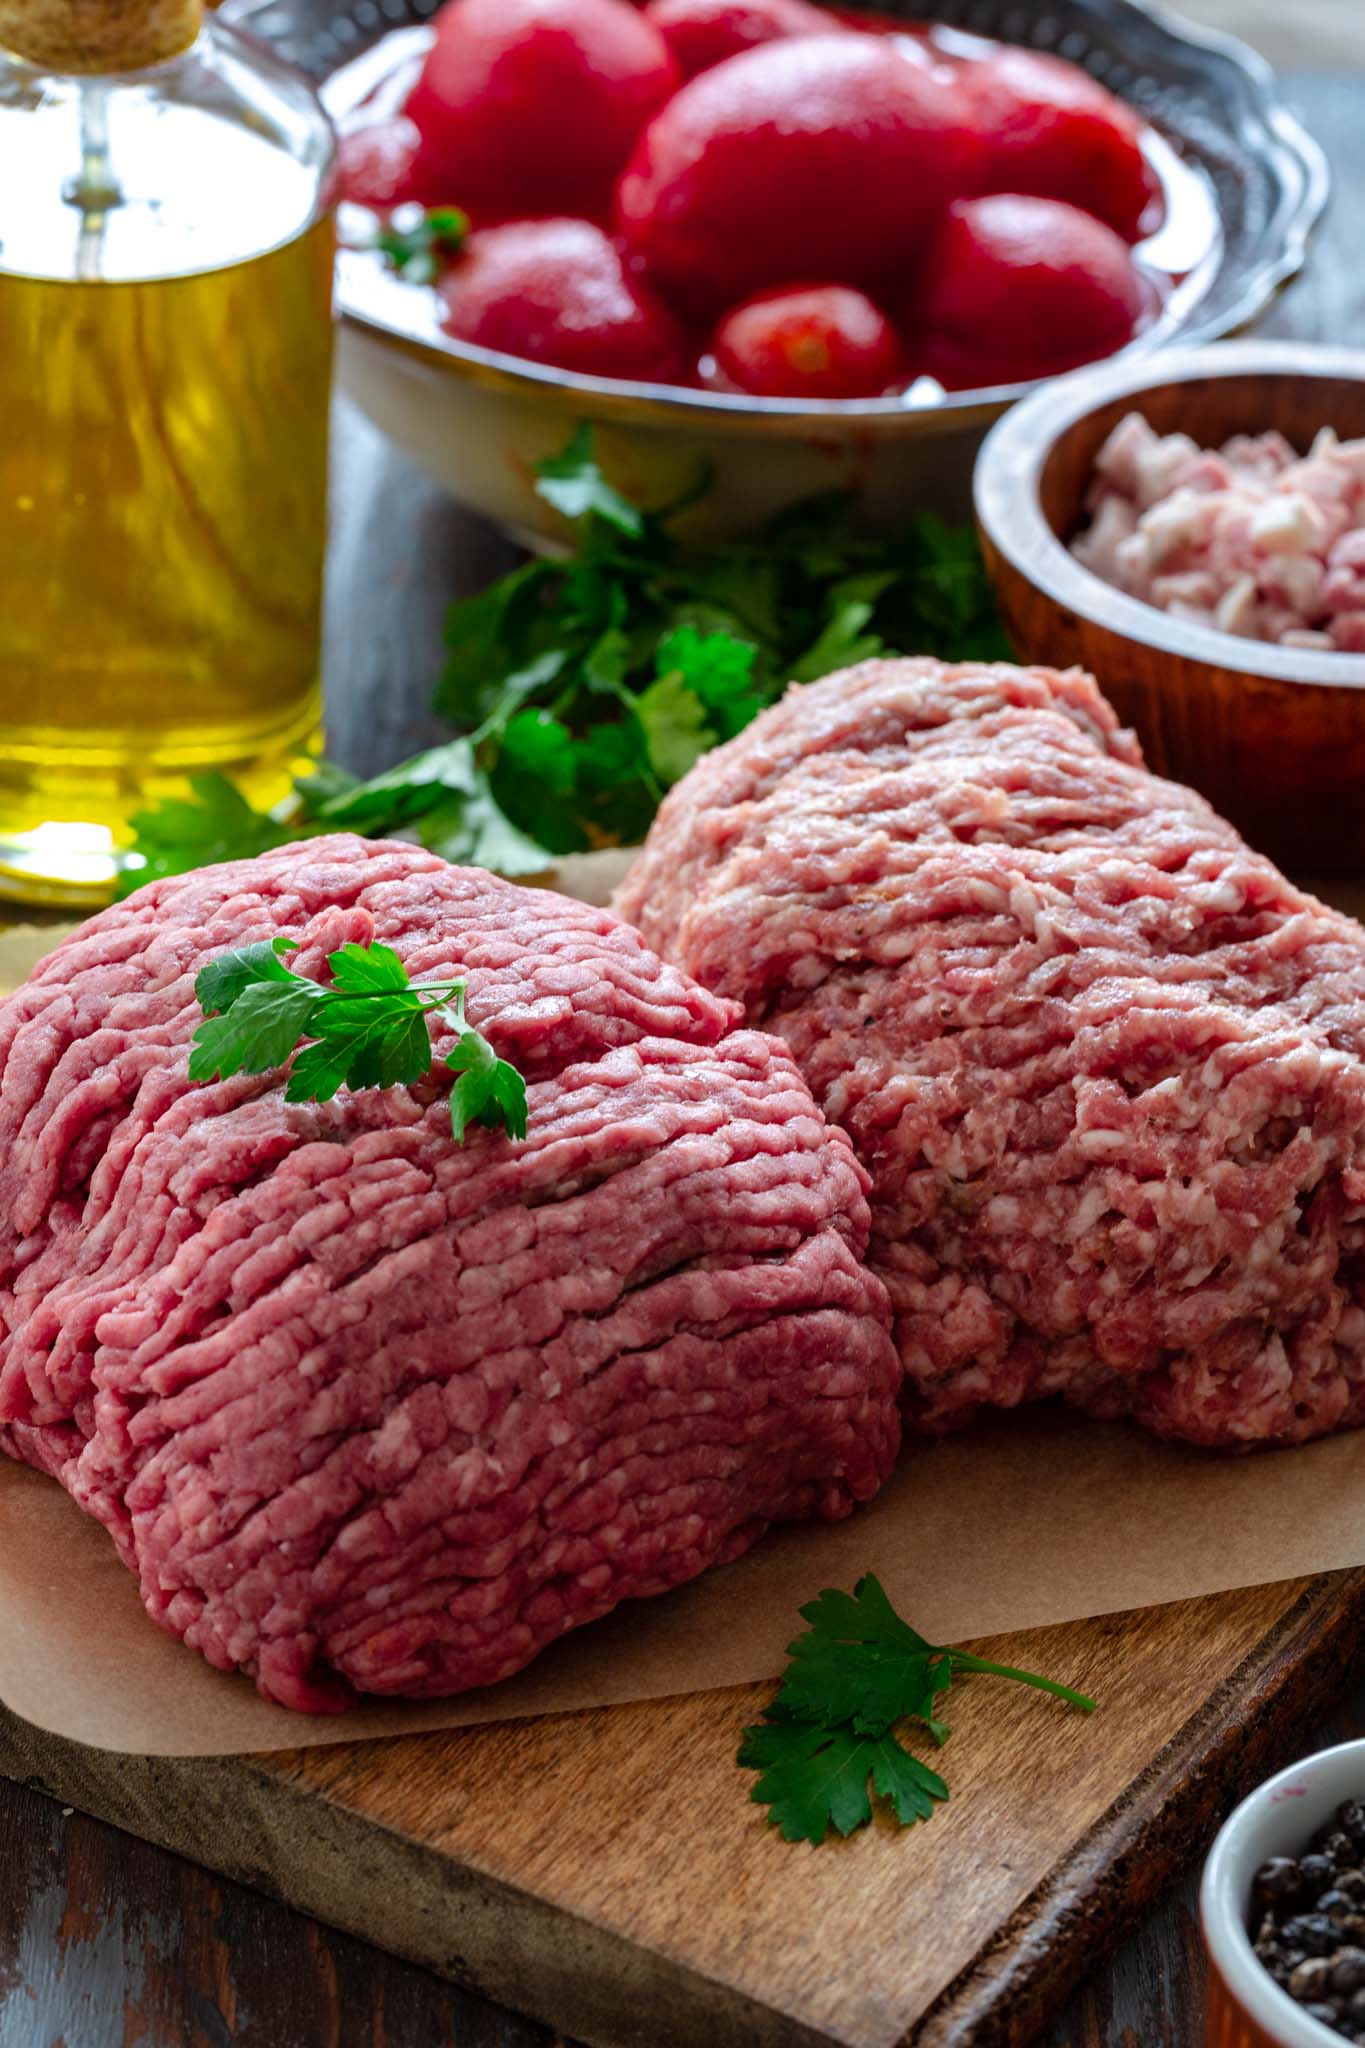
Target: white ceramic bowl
[{"x": 1247, "y": 2008}]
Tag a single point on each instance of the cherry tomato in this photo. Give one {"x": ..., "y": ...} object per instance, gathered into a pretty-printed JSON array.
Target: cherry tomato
[
  {"x": 1014, "y": 287},
  {"x": 383, "y": 166},
  {"x": 531, "y": 106},
  {"x": 812, "y": 341},
  {"x": 701, "y": 33},
  {"x": 831, "y": 156},
  {"x": 557, "y": 291},
  {"x": 1052, "y": 131}
]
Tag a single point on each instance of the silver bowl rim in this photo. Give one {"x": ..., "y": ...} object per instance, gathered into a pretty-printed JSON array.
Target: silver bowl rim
[{"x": 666, "y": 404}]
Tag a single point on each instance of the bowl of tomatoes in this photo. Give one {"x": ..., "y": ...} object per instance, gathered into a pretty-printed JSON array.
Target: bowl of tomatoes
[{"x": 767, "y": 248}]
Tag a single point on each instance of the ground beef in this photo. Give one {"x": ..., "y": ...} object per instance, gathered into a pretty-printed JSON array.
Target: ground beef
[
  {"x": 1105, "y": 1065},
  {"x": 367, "y": 1410}
]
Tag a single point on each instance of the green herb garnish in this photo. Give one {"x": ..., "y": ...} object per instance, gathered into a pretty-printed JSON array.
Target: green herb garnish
[
  {"x": 369, "y": 1028},
  {"x": 421, "y": 252},
  {"x": 582, "y": 689},
  {"x": 219, "y": 825},
  {"x": 828, "y": 1736}
]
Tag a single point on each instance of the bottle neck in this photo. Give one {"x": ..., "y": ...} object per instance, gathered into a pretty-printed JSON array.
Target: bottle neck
[{"x": 82, "y": 37}]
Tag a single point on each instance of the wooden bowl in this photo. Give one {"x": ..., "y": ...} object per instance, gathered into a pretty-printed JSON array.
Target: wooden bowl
[{"x": 1273, "y": 736}]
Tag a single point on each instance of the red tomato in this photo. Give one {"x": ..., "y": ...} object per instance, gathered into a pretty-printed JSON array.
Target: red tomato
[
  {"x": 532, "y": 105},
  {"x": 558, "y": 292},
  {"x": 382, "y": 166},
  {"x": 1015, "y": 287},
  {"x": 811, "y": 341},
  {"x": 1053, "y": 131},
  {"x": 831, "y": 156},
  {"x": 701, "y": 33}
]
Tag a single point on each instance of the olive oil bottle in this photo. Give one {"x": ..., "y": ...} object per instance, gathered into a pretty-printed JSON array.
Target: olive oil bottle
[{"x": 165, "y": 356}]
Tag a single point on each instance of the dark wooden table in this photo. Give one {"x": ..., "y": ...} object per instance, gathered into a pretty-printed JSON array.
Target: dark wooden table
[{"x": 108, "y": 1943}]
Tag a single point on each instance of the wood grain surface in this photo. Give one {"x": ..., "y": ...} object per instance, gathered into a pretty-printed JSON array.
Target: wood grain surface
[
  {"x": 106, "y": 1942},
  {"x": 574, "y": 1866}
]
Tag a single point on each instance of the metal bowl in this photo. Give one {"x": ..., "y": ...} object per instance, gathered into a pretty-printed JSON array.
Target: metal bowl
[{"x": 478, "y": 421}]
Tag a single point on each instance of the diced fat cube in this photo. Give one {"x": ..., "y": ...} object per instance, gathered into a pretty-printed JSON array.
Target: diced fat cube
[
  {"x": 1348, "y": 550},
  {"x": 1348, "y": 632},
  {"x": 1196, "y": 587},
  {"x": 1161, "y": 467},
  {"x": 1260, "y": 455},
  {"x": 1098, "y": 548},
  {"x": 1287, "y": 523},
  {"x": 1297, "y": 579},
  {"x": 1118, "y": 458},
  {"x": 1183, "y": 520},
  {"x": 1237, "y": 608}
]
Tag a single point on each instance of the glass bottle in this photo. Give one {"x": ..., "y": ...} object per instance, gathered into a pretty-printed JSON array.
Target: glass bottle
[{"x": 166, "y": 249}]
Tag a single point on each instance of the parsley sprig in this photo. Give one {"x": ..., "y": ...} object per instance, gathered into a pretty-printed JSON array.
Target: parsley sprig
[
  {"x": 370, "y": 1028},
  {"x": 828, "y": 1741}
]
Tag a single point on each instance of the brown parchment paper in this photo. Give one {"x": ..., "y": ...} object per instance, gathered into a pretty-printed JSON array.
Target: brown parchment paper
[{"x": 1023, "y": 1520}]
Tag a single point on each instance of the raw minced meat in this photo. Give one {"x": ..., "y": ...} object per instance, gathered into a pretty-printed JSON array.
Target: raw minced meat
[
  {"x": 1251, "y": 538},
  {"x": 1105, "y": 1065},
  {"x": 362, "y": 1408}
]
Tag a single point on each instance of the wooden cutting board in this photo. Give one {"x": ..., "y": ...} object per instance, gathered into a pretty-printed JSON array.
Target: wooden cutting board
[{"x": 605, "y": 1871}]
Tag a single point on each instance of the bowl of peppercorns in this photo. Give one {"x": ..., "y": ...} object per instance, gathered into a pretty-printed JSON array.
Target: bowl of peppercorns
[{"x": 1283, "y": 1910}]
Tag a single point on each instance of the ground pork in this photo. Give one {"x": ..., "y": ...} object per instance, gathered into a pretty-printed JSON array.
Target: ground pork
[
  {"x": 1105, "y": 1065},
  {"x": 367, "y": 1410},
  {"x": 1251, "y": 538}
]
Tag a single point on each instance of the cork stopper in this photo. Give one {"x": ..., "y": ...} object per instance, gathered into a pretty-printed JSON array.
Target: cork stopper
[{"x": 98, "y": 35}]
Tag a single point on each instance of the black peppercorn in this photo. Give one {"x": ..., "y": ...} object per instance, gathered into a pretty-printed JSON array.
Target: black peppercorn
[
  {"x": 1351, "y": 1819},
  {"x": 1312, "y": 1978},
  {"x": 1312, "y": 1932},
  {"x": 1280, "y": 1878},
  {"x": 1348, "y": 1970},
  {"x": 1307, "y": 1923}
]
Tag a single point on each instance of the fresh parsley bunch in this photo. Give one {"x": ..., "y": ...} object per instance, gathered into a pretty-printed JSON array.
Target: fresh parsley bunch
[
  {"x": 830, "y": 1734},
  {"x": 592, "y": 685},
  {"x": 370, "y": 1028},
  {"x": 580, "y": 690}
]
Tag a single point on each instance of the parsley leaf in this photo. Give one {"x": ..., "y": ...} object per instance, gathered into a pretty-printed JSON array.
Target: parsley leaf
[
  {"x": 368, "y": 1028},
  {"x": 673, "y": 720},
  {"x": 487, "y": 1089},
  {"x": 220, "y": 983},
  {"x": 429, "y": 245},
  {"x": 859, "y": 1662},
  {"x": 855, "y": 1673},
  {"x": 816, "y": 1777},
  {"x": 574, "y": 484},
  {"x": 367, "y": 970},
  {"x": 258, "y": 1030},
  {"x": 175, "y": 835}
]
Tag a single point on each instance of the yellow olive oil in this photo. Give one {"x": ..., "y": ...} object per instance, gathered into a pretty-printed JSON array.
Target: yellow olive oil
[{"x": 165, "y": 359}]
